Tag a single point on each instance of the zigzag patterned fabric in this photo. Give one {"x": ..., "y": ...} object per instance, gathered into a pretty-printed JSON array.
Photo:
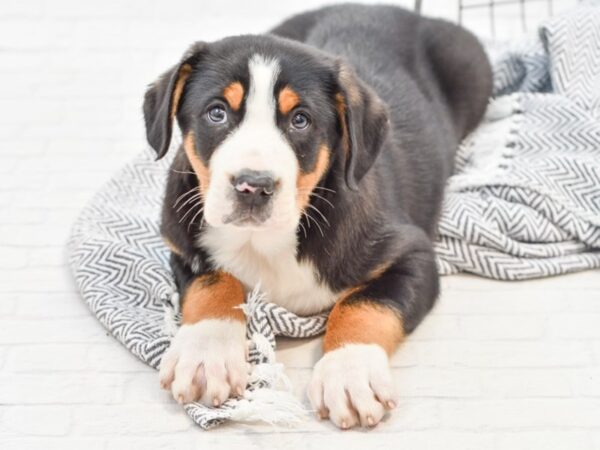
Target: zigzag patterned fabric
[{"x": 525, "y": 202}]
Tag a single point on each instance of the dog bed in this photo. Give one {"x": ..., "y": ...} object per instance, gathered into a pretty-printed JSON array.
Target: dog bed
[{"x": 524, "y": 203}]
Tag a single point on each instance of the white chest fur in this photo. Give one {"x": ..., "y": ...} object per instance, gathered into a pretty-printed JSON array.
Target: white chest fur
[{"x": 268, "y": 258}]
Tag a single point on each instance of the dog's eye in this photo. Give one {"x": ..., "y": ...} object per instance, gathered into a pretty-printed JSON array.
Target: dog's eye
[
  {"x": 300, "y": 121},
  {"x": 217, "y": 114}
]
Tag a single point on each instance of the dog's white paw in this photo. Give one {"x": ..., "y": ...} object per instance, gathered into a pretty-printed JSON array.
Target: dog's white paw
[
  {"x": 206, "y": 361},
  {"x": 352, "y": 385}
]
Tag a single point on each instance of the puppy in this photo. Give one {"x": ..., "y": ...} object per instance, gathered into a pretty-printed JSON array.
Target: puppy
[{"x": 313, "y": 161}]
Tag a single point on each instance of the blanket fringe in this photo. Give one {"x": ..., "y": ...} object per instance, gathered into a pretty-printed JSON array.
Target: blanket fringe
[
  {"x": 269, "y": 405},
  {"x": 272, "y": 400},
  {"x": 274, "y": 403}
]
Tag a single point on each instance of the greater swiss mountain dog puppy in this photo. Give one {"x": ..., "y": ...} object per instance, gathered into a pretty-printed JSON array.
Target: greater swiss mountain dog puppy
[{"x": 313, "y": 162}]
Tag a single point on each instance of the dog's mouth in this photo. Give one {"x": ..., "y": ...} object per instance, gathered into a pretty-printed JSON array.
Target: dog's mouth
[
  {"x": 245, "y": 208},
  {"x": 243, "y": 221},
  {"x": 248, "y": 216}
]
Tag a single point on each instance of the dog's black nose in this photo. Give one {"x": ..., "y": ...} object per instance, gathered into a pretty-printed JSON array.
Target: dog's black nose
[{"x": 253, "y": 185}]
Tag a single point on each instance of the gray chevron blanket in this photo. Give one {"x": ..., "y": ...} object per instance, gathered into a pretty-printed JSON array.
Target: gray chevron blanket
[{"x": 525, "y": 202}]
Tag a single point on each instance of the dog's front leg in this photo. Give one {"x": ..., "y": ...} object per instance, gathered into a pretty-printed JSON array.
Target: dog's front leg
[
  {"x": 352, "y": 383},
  {"x": 207, "y": 357}
]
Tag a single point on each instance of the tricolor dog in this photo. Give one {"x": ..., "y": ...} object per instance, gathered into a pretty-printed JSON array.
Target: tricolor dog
[{"x": 313, "y": 162}]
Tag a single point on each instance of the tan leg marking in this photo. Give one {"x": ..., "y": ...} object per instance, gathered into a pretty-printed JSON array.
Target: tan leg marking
[
  {"x": 363, "y": 323},
  {"x": 213, "y": 296}
]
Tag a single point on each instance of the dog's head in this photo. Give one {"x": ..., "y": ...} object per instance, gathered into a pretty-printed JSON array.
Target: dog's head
[{"x": 265, "y": 120}]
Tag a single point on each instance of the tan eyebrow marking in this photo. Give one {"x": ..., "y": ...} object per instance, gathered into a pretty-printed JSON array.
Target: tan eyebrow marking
[
  {"x": 234, "y": 94},
  {"x": 288, "y": 100}
]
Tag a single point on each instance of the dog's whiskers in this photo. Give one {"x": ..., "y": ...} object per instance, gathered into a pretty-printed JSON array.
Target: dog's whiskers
[
  {"x": 194, "y": 218},
  {"x": 184, "y": 195},
  {"x": 322, "y": 198},
  {"x": 192, "y": 207},
  {"x": 309, "y": 217},
  {"x": 191, "y": 199},
  {"x": 311, "y": 193},
  {"x": 303, "y": 229},
  {"x": 183, "y": 172},
  {"x": 320, "y": 213},
  {"x": 325, "y": 189}
]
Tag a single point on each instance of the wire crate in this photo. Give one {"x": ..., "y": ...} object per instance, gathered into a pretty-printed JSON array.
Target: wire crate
[{"x": 496, "y": 7}]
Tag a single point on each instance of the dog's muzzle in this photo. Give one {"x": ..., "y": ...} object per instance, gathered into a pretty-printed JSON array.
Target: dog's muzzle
[{"x": 252, "y": 193}]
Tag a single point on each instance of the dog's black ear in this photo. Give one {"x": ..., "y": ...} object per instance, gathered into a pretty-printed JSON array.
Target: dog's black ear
[
  {"x": 162, "y": 100},
  {"x": 364, "y": 123}
]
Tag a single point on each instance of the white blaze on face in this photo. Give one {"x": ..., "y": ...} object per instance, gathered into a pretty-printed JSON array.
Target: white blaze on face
[
  {"x": 257, "y": 144},
  {"x": 265, "y": 255}
]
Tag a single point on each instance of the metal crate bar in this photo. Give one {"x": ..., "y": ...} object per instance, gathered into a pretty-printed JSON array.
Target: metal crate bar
[{"x": 493, "y": 4}]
